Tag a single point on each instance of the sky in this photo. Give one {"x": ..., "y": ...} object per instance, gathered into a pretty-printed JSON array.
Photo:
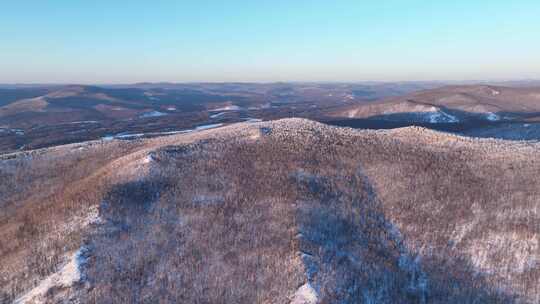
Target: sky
[{"x": 103, "y": 41}]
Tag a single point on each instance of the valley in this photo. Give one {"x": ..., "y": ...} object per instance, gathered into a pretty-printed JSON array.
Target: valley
[{"x": 32, "y": 118}]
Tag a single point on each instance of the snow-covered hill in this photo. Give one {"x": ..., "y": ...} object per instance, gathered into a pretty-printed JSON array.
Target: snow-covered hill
[{"x": 287, "y": 211}]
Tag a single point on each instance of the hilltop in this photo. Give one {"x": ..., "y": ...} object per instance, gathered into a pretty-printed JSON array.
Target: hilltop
[{"x": 286, "y": 211}]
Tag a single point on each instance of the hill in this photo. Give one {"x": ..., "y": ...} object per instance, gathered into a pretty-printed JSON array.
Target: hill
[
  {"x": 73, "y": 103},
  {"x": 33, "y": 117},
  {"x": 454, "y": 104},
  {"x": 287, "y": 211}
]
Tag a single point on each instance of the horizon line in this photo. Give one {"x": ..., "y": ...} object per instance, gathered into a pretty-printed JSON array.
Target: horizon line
[{"x": 267, "y": 82}]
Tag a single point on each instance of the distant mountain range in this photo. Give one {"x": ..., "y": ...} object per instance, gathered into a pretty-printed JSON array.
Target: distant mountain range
[
  {"x": 453, "y": 104},
  {"x": 34, "y": 116}
]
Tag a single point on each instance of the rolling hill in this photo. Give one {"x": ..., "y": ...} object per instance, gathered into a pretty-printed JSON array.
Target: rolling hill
[
  {"x": 41, "y": 116},
  {"x": 454, "y": 104},
  {"x": 83, "y": 103},
  {"x": 286, "y": 211}
]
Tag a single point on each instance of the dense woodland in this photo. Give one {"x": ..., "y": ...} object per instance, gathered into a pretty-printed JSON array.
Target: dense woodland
[{"x": 290, "y": 211}]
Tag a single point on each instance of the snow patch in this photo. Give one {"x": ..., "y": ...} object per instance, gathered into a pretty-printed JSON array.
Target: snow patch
[
  {"x": 206, "y": 127},
  {"x": 152, "y": 114},
  {"x": 262, "y": 107},
  {"x": 127, "y": 136},
  {"x": 227, "y": 108},
  {"x": 14, "y": 131},
  {"x": 349, "y": 97},
  {"x": 68, "y": 275},
  {"x": 148, "y": 159},
  {"x": 492, "y": 116},
  {"x": 78, "y": 222},
  {"x": 441, "y": 117},
  {"x": 84, "y": 122},
  {"x": 217, "y": 115},
  {"x": 122, "y": 136},
  {"x": 306, "y": 294},
  {"x": 139, "y": 135},
  {"x": 170, "y": 132}
]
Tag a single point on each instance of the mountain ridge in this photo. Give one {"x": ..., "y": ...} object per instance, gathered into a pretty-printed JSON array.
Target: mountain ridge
[{"x": 322, "y": 206}]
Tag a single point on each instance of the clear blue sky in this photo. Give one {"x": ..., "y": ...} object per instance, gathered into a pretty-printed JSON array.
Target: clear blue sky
[{"x": 105, "y": 41}]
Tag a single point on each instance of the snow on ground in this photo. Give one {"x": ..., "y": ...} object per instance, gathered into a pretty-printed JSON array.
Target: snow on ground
[
  {"x": 306, "y": 294},
  {"x": 152, "y": 114},
  {"x": 485, "y": 254},
  {"x": 139, "y": 135},
  {"x": 264, "y": 106},
  {"x": 441, "y": 117},
  {"x": 79, "y": 222},
  {"x": 148, "y": 159},
  {"x": 170, "y": 132},
  {"x": 127, "y": 136},
  {"x": 84, "y": 122},
  {"x": 492, "y": 116},
  {"x": 206, "y": 127},
  {"x": 15, "y": 131},
  {"x": 135, "y": 135},
  {"x": 69, "y": 272},
  {"x": 68, "y": 275},
  {"x": 227, "y": 108},
  {"x": 217, "y": 115},
  {"x": 349, "y": 97},
  {"x": 150, "y": 95}
]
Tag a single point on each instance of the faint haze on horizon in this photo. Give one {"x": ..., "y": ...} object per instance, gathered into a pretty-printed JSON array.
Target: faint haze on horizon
[{"x": 62, "y": 41}]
